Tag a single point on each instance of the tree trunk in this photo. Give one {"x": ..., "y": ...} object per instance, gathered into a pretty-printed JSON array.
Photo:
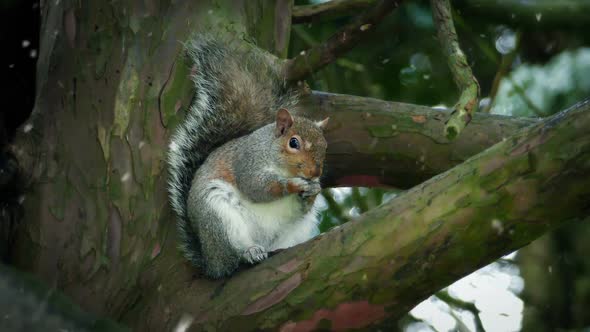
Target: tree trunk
[{"x": 112, "y": 85}]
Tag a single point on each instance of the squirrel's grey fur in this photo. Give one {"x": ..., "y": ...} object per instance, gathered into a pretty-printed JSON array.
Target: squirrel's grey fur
[{"x": 236, "y": 91}]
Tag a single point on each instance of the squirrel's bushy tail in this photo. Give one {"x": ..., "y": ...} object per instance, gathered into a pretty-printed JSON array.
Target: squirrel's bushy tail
[{"x": 237, "y": 91}]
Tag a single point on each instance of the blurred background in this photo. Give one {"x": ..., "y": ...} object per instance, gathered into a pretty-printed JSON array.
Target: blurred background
[{"x": 531, "y": 58}]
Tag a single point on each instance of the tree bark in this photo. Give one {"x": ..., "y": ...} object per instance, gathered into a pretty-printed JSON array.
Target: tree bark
[
  {"x": 373, "y": 142},
  {"x": 113, "y": 83}
]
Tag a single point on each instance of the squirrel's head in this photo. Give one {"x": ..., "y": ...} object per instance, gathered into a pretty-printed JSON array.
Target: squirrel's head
[{"x": 302, "y": 144}]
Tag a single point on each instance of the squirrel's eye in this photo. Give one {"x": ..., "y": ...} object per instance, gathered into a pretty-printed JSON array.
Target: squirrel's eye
[{"x": 294, "y": 143}]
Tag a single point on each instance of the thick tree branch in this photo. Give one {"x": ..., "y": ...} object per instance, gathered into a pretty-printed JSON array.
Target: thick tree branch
[
  {"x": 466, "y": 82},
  {"x": 329, "y": 9},
  {"x": 391, "y": 258},
  {"x": 373, "y": 142},
  {"x": 318, "y": 56}
]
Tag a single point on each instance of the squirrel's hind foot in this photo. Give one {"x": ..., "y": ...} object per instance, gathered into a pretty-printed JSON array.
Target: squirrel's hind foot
[{"x": 255, "y": 254}]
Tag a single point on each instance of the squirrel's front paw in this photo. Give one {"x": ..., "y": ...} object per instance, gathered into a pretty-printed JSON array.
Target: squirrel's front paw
[
  {"x": 307, "y": 187},
  {"x": 255, "y": 254}
]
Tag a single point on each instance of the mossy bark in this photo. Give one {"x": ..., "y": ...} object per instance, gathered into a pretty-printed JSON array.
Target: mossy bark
[
  {"x": 373, "y": 142},
  {"x": 113, "y": 83}
]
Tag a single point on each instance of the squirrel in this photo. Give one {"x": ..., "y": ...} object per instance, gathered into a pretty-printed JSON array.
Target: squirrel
[{"x": 240, "y": 190}]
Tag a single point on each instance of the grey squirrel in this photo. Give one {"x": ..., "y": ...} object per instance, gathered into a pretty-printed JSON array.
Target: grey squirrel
[{"x": 240, "y": 191}]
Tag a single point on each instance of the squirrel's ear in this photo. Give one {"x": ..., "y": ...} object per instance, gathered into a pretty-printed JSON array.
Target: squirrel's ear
[
  {"x": 323, "y": 124},
  {"x": 284, "y": 122}
]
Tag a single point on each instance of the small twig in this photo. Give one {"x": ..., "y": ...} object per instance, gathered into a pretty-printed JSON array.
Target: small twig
[
  {"x": 457, "y": 303},
  {"x": 460, "y": 325},
  {"x": 329, "y": 9},
  {"x": 320, "y": 55},
  {"x": 466, "y": 82}
]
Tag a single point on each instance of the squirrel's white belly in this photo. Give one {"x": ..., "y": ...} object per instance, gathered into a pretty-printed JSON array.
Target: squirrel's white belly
[{"x": 270, "y": 218}]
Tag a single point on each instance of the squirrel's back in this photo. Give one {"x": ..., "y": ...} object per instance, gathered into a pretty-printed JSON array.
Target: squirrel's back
[{"x": 238, "y": 89}]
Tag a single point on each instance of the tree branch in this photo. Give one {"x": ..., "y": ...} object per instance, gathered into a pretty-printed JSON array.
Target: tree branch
[
  {"x": 373, "y": 142},
  {"x": 379, "y": 266},
  {"x": 329, "y": 9},
  {"x": 318, "y": 56},
  {"x": 538, "y": 13},
  {"x": 458, "y": 303},
  {"x": 466, "y": 82}
]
